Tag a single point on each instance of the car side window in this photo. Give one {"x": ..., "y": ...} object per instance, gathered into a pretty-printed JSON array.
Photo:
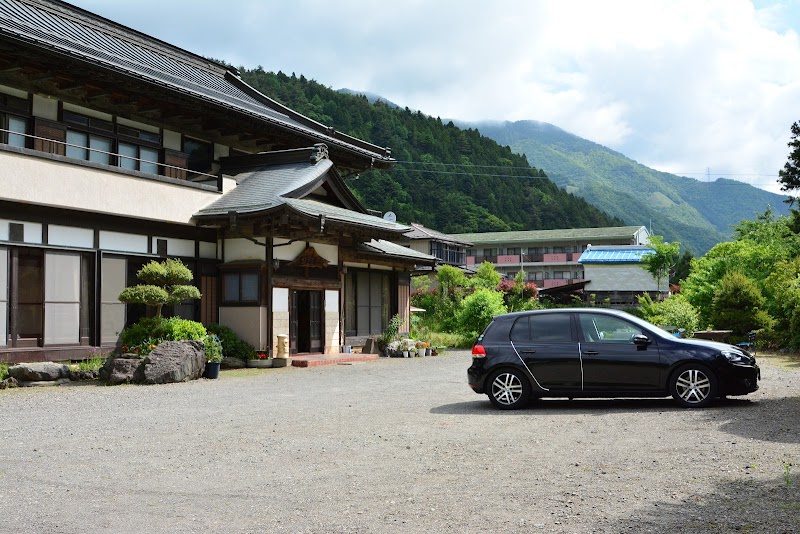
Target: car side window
[
  {"x": 521, "y": 330},
  {"x": 551, "y": 328},
  {"x": 607, "y": 329}
]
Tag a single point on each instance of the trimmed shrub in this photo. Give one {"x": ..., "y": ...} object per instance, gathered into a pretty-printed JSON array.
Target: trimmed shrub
[
  {"x": 154, "y": 330},
  {"x": 675, "y": 311},
  {"x": 737, "y": 305},
  {"x": 477, "y": 311},
  {"x": 232, "y": 345}
]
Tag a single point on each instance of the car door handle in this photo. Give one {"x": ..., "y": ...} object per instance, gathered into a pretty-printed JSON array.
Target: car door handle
[
  {"x": 591, "y": 352},
  {"x": 528, "y": 351}
]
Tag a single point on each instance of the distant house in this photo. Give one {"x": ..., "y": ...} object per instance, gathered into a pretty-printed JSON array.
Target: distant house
[
  {"x": 117, "y": 148},
  {"x": 615, "y": 273},
  {"x": 549, "y": 258},
  {"x": 447, "y": 249}
]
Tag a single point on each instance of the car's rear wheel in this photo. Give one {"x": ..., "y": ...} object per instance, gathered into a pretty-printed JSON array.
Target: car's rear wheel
[
  {"x": 508, "y": 389},
  {"x": 693, "y": 386}
]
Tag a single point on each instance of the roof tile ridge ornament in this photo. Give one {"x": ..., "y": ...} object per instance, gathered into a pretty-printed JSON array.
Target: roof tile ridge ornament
[{"x": 319, "y": 152}]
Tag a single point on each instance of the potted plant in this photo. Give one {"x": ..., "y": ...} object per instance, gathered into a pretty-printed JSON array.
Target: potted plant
[
  {"x": 260, "y": 360},
  {"x": 423, "y": 348},
  {"x": 213, "y": 349},
  {"x": 407, "y": 346},
  {"x": 393, "y": 349}
]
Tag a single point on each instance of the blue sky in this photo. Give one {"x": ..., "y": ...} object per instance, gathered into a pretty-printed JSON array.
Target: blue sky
[{"x": 697, "y": 88}]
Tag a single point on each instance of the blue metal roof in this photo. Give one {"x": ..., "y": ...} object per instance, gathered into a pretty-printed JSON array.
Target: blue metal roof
[{"x": 610, "y": 254}]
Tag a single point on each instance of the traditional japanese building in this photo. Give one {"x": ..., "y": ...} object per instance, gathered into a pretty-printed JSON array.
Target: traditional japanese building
[{"x": 117, "y": 148}]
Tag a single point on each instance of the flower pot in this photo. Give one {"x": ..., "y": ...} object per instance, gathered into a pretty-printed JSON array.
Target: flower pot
[
  {"x": 428, "y": 351},
  {"x": 260, "y": 364},
  {"x": 420, "y": 352},
  {"x": 405, "y": 354},
  {"x": 212, "y": 370}
]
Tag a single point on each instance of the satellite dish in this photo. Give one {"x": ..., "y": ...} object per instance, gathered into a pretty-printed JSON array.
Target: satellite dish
[{"x": 390, "y": 216}]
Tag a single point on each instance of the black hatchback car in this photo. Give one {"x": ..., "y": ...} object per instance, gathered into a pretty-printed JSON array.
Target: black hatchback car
[{"x": 593, "y": 352}]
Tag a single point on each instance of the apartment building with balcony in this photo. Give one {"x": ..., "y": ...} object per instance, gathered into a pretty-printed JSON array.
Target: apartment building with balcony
[{"x": 549, "y": 258}]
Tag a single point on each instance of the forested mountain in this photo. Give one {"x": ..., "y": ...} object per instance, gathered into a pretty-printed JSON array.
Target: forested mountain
[
  {"x": 450, "y": 179},
  {"x": 698, "y": 214}
]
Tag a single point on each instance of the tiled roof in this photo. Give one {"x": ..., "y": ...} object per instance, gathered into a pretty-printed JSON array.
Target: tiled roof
[
  {"x": 393, "y": 249},
  {"x": 420, "y": 232},
  {"x": 261, "y": 189},
  {"x": 65, "y": 29},
  {"x": 267, "y": 187},
  {"x": 529, "y": 236},
  {"x": 315, "y": 208},
  {"x": 615, "y": 254}
]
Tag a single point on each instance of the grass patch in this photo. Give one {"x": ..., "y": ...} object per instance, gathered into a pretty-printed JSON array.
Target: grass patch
[
  {"x": 3, "y": 371},
  {"x": 94, "y": 362}
]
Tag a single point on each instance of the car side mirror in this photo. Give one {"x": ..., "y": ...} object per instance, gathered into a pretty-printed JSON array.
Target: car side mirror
[{"x": 641, "y": 340}]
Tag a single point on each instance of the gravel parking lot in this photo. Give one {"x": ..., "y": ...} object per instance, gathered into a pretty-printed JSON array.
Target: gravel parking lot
[{"x": 393, "y": 445}]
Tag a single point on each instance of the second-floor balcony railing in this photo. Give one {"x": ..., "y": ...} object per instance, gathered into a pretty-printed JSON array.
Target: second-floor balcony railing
[
  {"x": 517, "y": 259},
  {"x": 111, "y": 160}
]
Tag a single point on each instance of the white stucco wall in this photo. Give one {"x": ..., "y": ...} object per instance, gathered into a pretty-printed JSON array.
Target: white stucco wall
[
  {"x": 624, "y": 277},
  {"x": 243, "y": 249},
  {"x": 249, "y": 323},
  {"x": 29, "y": 179},
  {"x": 32, "y": 232},
  {"x": 67, "y": 236}
]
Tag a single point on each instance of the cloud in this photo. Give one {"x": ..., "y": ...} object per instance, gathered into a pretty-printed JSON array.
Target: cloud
[{"x": 678, "y": 85}]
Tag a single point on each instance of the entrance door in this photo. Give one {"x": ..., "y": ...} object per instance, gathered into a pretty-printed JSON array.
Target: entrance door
[{"x": 305, "y": 328}]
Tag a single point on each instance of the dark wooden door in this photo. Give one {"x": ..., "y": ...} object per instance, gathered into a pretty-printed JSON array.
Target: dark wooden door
[{"x": 305, "y": 322}]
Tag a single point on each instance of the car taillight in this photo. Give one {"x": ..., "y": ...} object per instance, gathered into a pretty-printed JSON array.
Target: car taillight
[{"x": 478, "y": 351}]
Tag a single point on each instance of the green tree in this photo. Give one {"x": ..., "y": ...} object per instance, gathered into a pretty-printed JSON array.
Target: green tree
[
  {"x": 662, "y": 260},
  {"x": 449, "y": 279},
  {"x": 164, "y": 283},
  {"x": 477, "y": 311},
  {"x": 674, "y": 311},
  {"x": 782, "y": 291},
  {"x": 789, "y": 176},
  {"x": 738, "y": 305},
  {"x": 682, "y": 268},
  {"x": 486, "y": 276},
  {"x": 759, "y": 246}
]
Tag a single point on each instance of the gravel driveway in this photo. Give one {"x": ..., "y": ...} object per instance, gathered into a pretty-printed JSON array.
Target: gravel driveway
[{"x": 393, "y": 445}]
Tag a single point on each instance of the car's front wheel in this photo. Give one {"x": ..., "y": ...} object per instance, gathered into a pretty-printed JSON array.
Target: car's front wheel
[
  {"x": 508, "y": 389},
  {"x": 693, "y": 386}
]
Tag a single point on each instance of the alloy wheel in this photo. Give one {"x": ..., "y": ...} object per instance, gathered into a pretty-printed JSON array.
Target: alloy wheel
[
  {"x": 693, "y": 386},
  {"x": 507, "y": 388}
]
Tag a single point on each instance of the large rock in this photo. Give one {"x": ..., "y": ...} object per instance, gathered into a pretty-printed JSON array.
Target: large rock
[
  {"x": 120, "y": 370},
  {"x": 38, "y": 372},
  {"x": 173, "y": 361}
]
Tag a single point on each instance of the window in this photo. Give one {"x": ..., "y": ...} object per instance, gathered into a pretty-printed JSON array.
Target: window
[
  {"x": 15, "y": 128},
  {"x": 14, "y": 120},
  {"x": 513, "y": 252},
  {"x": 201, "y": 155},
  {"x": 368, "y": 299},
  {"x": 521, "y": 330},
  {"x": 85, "y": 140},
  {"x": 607, "y": 329},
  {"x": 138, "y": 149},
  {"x": 553, "y": 328},
  {"x": 240, "y": 287}
]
